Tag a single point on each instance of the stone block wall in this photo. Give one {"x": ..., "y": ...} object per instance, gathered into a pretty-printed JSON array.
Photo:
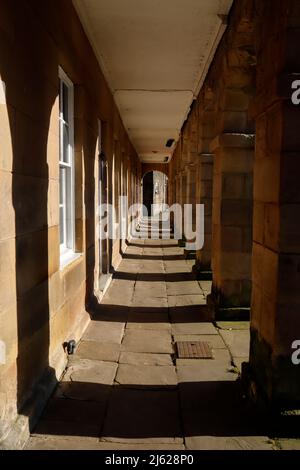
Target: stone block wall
[
  {"x": 42, "y": 306},
  {"x": 275, "y": 322}
]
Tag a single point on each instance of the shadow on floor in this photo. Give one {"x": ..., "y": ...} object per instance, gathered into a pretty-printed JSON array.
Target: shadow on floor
[{"x": 143, "y": 412}]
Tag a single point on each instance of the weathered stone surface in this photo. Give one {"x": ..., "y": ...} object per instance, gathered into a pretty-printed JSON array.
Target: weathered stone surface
[
  {"x": 205, "y": 370},
  {"x": 186, "y": 300},
  {"x": 136, "y": 376},
  {"x": 149, "y": 302},
  {"x": 147, "y": 341},
  {"x": 141, "y": 290},
  {"x": 104, "y": 332},
  {"x": 98, "y": 351},
  {"x": 145, "y": 359},
  {"x": 288, "y": 444},
  {"x": 87, "y": 380},
  {"x": 68, "y": 443},
  {"x": 88, "y": 371},
  {"x": 183, "y": 288},
  {"x": 205, "y": 286},
  {"x": 189, "y": 325},
  {"x": 228, "y": 443},
  {"x": 238, "y": 342},
  {"x": 233, "y": 325}
]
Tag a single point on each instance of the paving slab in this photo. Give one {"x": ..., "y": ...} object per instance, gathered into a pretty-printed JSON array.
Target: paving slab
[
  {"x": 191, "y": 314},
  {"x": 186, "y": 300},
  {"x": 147, "y": 341},
  {"x": 122, "y": 297},
  {"x": 71, "y": 418},
  {"x": 238, "y": 342},
  {"x": 204, "y": 370},
  {"x": 148, "y": 321},
  {"x": 98, "y": 351},
  {"x": 149, "y": 302},
  {"x": 153, "y": 417},
  {"x": 111, "y": 313},
  {"x": 145, "y": 359},
  {"x": 233, "y": 325},
  {"x": 183, "y": 288},
  {"x": 156, "y": 326},
  {"x": 228, "y": 443},
  {"x": 215, "y": 341},
  {"x": 87, "y": 380},
  {"x": 238, "y": 361},
  {"x": 153, "y": 252},
  {"x": 144, "y": 289},
  {"x": 288, "y": 444},
  {"x": 191, "y": 326},
  {"x": 205, "y": 286},
  {"x": 216, "y": 408},
  {"x": 63, "y": 443},
  {"x": 104, "y": 332},
  {"x": 136, "y": 376},
  {"x": 72, "y": 443},
  {"x": 148, "y": 266},
  {"x": 88, "y": 371}
]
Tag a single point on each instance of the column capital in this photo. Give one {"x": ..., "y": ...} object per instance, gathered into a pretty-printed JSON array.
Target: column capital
[{"x": 233, "y": 140}]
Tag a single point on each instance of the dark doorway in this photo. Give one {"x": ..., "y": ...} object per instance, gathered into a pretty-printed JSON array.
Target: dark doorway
[{"x": 148, "y": 183}]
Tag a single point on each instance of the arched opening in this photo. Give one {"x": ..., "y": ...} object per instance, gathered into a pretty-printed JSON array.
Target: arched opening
[{"x": 155, "y": 193}]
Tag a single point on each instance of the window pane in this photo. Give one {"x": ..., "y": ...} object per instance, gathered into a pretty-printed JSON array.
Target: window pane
[
  {"x": 61, "y": 225},
  {"x": 65, "y": 102},
  {"x": 65, "y": 150},
  {"x": 61, "y": 185}
]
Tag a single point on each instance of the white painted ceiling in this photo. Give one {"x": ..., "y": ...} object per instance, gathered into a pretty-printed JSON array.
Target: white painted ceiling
[{"x": 155, "y": 55}]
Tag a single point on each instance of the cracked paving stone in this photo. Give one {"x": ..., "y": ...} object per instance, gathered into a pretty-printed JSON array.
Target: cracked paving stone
[
  {"x": 87, "y": 380},
  {"x": 238, "y": 342}
]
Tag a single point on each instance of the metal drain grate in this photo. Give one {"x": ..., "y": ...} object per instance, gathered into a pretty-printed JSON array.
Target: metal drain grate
[{"x": 194, "y": 350}]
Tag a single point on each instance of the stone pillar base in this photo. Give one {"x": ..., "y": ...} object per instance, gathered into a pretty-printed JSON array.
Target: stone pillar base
[
  {"x": 190, "y": 254},
  {"x": 227, "y": 312},
  {"x": 202, "y": 272},
  {"x": 271, "y": 381}
]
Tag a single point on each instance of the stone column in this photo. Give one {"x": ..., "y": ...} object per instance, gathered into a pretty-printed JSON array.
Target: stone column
[
  {"x": 275, "y": 319},
  {"x": 205, "y": 181},
  {"x": 206, "y": 122},
  {"x": 232, "y": 223}
]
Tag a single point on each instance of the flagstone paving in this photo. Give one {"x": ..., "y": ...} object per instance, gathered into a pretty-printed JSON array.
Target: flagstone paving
[{"x": 124, "y": 387}]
